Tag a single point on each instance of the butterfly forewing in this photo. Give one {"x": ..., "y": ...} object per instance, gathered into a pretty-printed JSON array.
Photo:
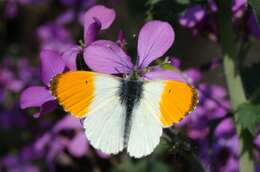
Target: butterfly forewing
[
  {"x": 94, "y": 96},
  {"x": 74, "y": 91},
  {"x": 177, "y": 100}
]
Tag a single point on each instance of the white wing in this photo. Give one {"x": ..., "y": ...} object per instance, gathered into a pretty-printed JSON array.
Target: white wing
[
  {"x": 96, "y": 97},
  {"x": 162, "y": 104},
  {"x": 104, "y": 124},
  {"x": 145, "y": 129}
]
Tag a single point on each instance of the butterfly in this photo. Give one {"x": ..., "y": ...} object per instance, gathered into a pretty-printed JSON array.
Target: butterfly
[{"x": 123, "y": 113}]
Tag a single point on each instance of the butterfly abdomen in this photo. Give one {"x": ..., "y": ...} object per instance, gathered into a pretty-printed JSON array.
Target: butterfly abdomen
[{"x": 130, "y": 93}]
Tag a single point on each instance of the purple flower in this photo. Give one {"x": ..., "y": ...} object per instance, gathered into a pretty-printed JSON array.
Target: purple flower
[
  {"x": 67, "y": 135},
  {"x": 253, "y": 26},
  {"x": 202, "y": 18},
  {"x": 225, "y": 129},
  {"x": 95, "y": 19},
  {"x": 54, "y": 36},
  {"x": 175, "y": 62},
  {"x": 9, "y": 81},
  {"x": 226, "y": 153},
  {"x": 54, "y": 142},
  {"x": 238, "y": 7},
  {"x": 16, "y": 163},
  {"x": 154, "y": 39},
  {"x": 11, "y": 7},
  {"x": 192, "y": 16},
  {"x": 74, "y": 3},
  {"x": 257, "y": 141},
  {"x": 222, "y": 142},
  {"x": 39, "y": 96},
  {"x": 14, "y": 74}
]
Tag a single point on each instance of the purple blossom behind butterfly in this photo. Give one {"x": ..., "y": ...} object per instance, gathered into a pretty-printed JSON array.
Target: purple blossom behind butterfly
[
  {"x": 39, "y": 96},
  {"x": 155, "y": 38},
  {"x": 96, "y": 19},
  {"x": 201, "y": 18},
  {"x": 53, "y": 61}
]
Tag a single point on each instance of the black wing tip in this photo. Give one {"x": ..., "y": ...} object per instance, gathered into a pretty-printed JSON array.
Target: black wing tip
[
  {"x": 194, "y": 99},
  {"x": 53, "y": 84}
]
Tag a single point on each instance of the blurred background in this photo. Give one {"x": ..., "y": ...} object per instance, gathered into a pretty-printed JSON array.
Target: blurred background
[{"x": 206, "y": 140}]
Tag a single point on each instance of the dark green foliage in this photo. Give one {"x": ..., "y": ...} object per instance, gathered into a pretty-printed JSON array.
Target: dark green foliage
[
  {"x": 256, "y": 6},
  {"x": 142, "y": 165},
  {"x": 251, "y": 82},
  {"x": 248, "y": 115}
]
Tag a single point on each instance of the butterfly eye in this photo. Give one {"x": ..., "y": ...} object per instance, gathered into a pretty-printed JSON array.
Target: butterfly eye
[
  {"x": 170, "y": 91},
  {"x": 86, "y": 81}
]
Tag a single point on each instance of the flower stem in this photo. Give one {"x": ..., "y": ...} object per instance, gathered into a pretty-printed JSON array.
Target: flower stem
[{"x": 233, "y": 77}]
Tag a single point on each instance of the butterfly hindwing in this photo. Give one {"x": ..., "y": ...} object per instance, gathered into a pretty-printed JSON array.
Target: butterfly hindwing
[
  {"x": 105, "y": 128},
  {"x": 145, "y": 131},
  {"x": 95, "y": 97}
]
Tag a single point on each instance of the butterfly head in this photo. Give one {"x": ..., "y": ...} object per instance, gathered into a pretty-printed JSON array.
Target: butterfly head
[{"x": 134, "y": 75}]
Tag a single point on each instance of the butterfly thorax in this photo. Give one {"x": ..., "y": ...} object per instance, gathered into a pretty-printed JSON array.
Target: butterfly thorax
[{"x": 130, "y": 93}]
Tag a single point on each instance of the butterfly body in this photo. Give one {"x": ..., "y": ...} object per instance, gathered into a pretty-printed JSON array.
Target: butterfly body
[
  {"x": 130, "y": 93},
  {"x": 123, "y": 113}
]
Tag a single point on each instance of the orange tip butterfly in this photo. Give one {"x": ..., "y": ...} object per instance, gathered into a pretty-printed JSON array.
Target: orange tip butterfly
[{"x": 123, "y": 113}]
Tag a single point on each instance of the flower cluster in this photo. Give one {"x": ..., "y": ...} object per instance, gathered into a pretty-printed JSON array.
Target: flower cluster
[
  {"x": 58, "y": 138},
  {"x": 211, "y": 127},
  {"x": 202, "y": 19}
]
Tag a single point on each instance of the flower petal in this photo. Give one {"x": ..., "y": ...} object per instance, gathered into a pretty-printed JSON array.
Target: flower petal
[
  {"x": 91, "y": 32},
  {"x": 35, "y": 96},
  {"x": 225, "y": 128},
  {"x": 164, "y": 75},
  {"x": 99, "y": 15},
  {"x": 121, "y": 41},
  {"x": 257, "y": 141},
  {"x": 107, "y": 57},
  {"x": 46, "y": 107},
  {"x": 193, "y": 74},
  {"x": 78, "y": 145},
  {"x": 155, "y": 38},
  {"x": 105, "y": 15},
  {"x": 51, "y": 65},
  {"x": 56, "y": 147},
  {"x": 68, "y": 122},
  {"x": 70, "y": 57},
  {"x": 238, "y": 7},
  {"x": 176, "y": 62},
  {"x": 42, "y": 142},
  {"x": 253, "y": 26},
  {"x": 102, "y": 155},
  {"x": 192, "y": 16}
]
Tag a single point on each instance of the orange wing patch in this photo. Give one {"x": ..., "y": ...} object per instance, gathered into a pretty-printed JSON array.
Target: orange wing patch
[
  {"x": 74, "y": 91},
  {"x": 177, "y": 100}
]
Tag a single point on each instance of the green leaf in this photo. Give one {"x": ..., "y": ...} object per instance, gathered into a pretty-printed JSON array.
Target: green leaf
[
  {"x": 248, "y": 115},
  {"x": 160, "y": 166},
  {"x": 168, "y": 66},
  {"x": 129, "y": 166},
  {"x": 142, "y": 165},
  {"x": 256, "y": 5},
  {"x": 251, "y": 82},
  {"x": 185, "y": 2},
  {"x": 152, "y": 2}
]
